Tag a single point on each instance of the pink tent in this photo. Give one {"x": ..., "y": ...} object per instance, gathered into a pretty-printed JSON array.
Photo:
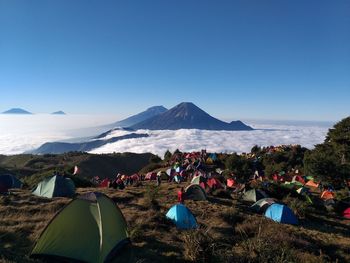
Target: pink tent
[
  {"x": 151, "y": 176},
  {"x": 346, "y": 213}
]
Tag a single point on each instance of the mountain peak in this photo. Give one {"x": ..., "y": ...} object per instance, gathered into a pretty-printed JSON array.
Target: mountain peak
[
  {"x": 187, "y": 115},
  {"x": 157, "y": 108},
  {"x": 16, "y": 111}
]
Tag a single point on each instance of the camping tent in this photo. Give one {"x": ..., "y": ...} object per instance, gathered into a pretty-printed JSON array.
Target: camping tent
[
  {"x": 55, "y": 186},
  {"x": 91, "y": 228},
  {"x": 261, "y": 205},
  {"x": 182, "y": 217},
  {"x": 178, "y": 178},
  {"x": 254, "y": 195},
  {"x": 8, "y": 181},
  {"x": 195, "y": 192},
  {"x": 151, "y": 176},
  {"x": 302, "y": 190},
  {"x": 198, "y": 179},
  {"x": 346, "y": 213},
  {"x": 298, "y": 178},
  {"x": 326, "y": 194},
  {"x": 213, "y": 156},
  {"x": 281, "y": 213},
  {"x": 230, "y": 182},
  {"x": 209, "y": 161},
  {"x": 105, "y": 183},
  {"x": 170, "y": 171},
  {"x": 311, "y": 183},
  {"x": 214, "y": 183},
  {"x": 135, "y": 177}
]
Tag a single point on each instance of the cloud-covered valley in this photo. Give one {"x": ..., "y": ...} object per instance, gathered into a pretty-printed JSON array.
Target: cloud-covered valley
[{"x": 22, "y": 133}]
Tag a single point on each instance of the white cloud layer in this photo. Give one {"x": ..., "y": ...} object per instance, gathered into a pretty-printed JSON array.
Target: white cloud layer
[
  {"x": 22, "y": 133},
  {"x": 218, "y": 141}
]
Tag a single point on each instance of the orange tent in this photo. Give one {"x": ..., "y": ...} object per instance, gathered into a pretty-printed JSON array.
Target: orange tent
[
  {"x": 230, "y": 183},
  {"x": 311, "y": 184},
  {"x": 326, "y": 195}
]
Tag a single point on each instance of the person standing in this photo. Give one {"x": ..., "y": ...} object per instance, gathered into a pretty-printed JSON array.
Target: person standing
[
  {"x": 159, "y": 179},
  {"x": 180, "y": 195}
]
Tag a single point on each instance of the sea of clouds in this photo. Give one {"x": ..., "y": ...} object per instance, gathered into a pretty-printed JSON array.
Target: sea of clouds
[{"x": 19, "y": 133}]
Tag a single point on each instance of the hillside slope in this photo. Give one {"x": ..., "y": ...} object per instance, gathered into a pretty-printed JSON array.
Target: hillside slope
[{"x": 228, "y": 231}]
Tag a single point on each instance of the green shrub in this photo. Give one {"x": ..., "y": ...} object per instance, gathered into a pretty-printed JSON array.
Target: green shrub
[
  {"x": 151, "y": 197},
  {"x": 199, "y": 246}
]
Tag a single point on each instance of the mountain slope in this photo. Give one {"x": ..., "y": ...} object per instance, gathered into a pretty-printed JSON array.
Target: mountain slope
[
  {"x": 62, "y": 147},
  {"x": 16, "y": 111},
  {"x": 142, "y": 116},
  {"x": 186, "y": 115}
]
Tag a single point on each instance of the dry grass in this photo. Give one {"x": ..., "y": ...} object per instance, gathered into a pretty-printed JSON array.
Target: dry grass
[{"x": 228, "y": 232}]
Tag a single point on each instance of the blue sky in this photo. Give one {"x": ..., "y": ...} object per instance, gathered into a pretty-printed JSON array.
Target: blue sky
[{"x": 235, "y": 59}]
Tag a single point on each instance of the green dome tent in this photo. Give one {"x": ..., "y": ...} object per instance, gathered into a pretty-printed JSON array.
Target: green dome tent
[
  {"x": 254, "y": 195},
  {"x": 91, "y": 228},
  {"x": 198, "y": 179},
  {"x": 195, "y": 192},
  {"x": 55, "y": 186}
]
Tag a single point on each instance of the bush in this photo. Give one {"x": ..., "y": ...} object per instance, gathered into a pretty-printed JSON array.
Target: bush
[
  {"x": 231, "y": 216},
  {"x": 299, "y": 207},
  {"x": 199, "y": 246},
  {"x": 151, "y": 197},
  {"x": 150, "y": 167},
  {"x": 264, "y": 241},
  {"x": 222, "y": 193}
]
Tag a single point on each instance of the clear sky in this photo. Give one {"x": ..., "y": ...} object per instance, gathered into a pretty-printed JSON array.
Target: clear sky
[{"x": 235, "y": 59}]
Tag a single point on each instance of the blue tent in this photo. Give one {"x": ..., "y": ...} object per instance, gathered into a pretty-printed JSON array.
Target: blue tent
[
  {"x": 182, "y": 217},
  {"x": 282, "y": 214},
  {"x": 213, "y": 156},
  {"x": 8, "y": 181}
]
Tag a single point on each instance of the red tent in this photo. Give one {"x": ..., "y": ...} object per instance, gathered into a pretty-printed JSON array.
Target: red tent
[
  {"x": 104, "y": 183},
  {"x": 275, "y": 177},
  {"x": 346, "y": 213},
  {"x": 298, "y": 178},
  {"x": 202, "y": 185},
  {"x": 151, "y": 176},
  {"x": 230, "y": 183},
  {"x": 214, "y": 183},
  {"x": 135, "y": 177}
]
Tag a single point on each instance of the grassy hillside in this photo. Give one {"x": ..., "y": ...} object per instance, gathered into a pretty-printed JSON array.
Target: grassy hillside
[
  {"x": 32, "y": 168},
  {"x": 228, "y": 232}
]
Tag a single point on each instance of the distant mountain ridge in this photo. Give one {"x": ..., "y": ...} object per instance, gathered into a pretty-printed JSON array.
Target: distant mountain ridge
[
  {"x": 142, "y": 116},
  {"x": 186, "y": 115},
  {"x": 16, "y": 111},
  {"x": 134, "y": 119},
  {"x": 62, "y": 147},
  {"x": 58, "y": 113}
]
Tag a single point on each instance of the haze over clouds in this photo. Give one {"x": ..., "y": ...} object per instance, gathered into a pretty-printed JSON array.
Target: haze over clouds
[
  {"x": 22, "y": 133},
  {"x": 218, "y": 141}
]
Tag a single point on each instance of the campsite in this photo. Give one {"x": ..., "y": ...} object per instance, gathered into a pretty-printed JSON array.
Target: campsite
[{"x": 264, "y": 206}]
